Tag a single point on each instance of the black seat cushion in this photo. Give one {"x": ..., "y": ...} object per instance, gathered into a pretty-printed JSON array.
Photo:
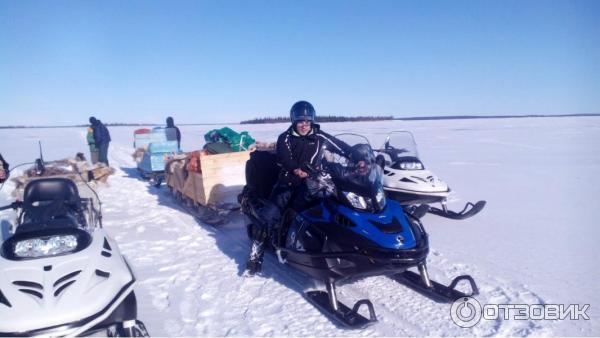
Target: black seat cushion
[
  {"x": 262, "y": 173},
  {"x": 50, "y": 189},
  {"x": 49, "y": 198}
]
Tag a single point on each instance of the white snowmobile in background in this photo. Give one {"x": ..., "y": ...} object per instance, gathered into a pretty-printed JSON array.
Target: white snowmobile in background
[
  {"x": 407, "y": 181},
  {"x": 60, "y": 272}
]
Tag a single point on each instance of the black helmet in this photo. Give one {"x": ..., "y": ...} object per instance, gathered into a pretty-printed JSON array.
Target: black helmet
[
  {"x": 362, "y": 152},
  {"x": 302, "y": 111}
]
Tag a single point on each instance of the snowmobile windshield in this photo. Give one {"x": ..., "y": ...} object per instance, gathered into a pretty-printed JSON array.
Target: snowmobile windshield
[
  {"x": 400, "y": 144},
  {"x": 360, "y": 177},
  {"x": 357, "y": 178}
]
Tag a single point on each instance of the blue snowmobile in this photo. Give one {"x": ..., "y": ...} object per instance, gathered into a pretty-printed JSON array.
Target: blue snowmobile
[{"x": 351, "y": 230}]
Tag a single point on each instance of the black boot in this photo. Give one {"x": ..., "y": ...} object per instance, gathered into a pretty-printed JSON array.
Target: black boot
[{"x": 254, "y": 263}]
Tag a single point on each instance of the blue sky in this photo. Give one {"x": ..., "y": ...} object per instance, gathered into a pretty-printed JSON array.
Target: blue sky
[{"x": 225, "y": 61}]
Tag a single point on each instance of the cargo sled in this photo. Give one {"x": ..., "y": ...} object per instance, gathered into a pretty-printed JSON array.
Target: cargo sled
[{"x": 207, "y": 189}]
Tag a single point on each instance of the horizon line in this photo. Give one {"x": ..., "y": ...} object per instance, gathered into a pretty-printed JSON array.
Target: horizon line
[{"x": 418, "y": 118}]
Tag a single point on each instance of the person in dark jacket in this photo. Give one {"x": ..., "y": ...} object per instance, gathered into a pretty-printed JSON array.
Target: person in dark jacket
[
  {"x": 175, "y": 131},
  {"x": 298, "y": 148},
  {"x": 4, "y": 169},
  {"x": 101, "y": 138}
]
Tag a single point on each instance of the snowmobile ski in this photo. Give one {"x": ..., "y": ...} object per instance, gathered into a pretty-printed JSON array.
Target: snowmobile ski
[
  {"x": 469, "y": 210},
  {"x": 436, "y": 291},
  {"x": 133, "y": 328},
  {"x": 217, "y": 214},
  {"x": 210, "y": 216},
  {"x": 226, "y": 207},
  {"x": 349, "y": 318},
  {"x": 157, "y": 180}
]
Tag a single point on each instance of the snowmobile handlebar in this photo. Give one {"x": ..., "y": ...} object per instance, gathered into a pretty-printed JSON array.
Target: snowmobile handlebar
[
  {"x": 310, "y": 170},
  {"x": 13, "y": 205}
]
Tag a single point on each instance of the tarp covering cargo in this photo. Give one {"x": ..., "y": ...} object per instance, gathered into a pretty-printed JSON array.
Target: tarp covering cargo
[{"x": 237, "y": 141}]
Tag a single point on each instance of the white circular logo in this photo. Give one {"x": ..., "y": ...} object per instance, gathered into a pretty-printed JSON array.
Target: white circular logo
[{"x": 466, "y": 312}]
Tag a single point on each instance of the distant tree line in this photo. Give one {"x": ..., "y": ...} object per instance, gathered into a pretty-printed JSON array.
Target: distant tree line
[{"x": 320, "y": 118}]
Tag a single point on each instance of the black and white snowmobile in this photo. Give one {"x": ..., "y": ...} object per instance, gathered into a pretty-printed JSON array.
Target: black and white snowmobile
[
  {"x": 351, "y": 231},
  {"x": 407, "y": 181},
  {"x": 61, "y": 274}
]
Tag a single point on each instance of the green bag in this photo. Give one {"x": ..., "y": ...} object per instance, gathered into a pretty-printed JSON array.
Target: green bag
[
  {"x": 218, "y": 148},
  {"x": 238, "y": 141}
]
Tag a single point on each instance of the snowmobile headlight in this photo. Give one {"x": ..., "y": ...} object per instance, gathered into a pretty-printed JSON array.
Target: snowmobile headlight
[
  {"x": 412, "y": 165},
  {"x": 380, "y": 198},
  {"x": 45, "y": 246},
  {"x": 355, "y": 200}
]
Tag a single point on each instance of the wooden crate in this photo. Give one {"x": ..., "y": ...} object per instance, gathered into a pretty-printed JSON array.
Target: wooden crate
[{"x": 222, "y": 179}]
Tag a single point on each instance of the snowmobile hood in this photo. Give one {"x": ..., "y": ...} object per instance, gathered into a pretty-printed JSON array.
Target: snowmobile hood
[
  {"x": 417, "y": 181},
  {"x": 63, "y": 295},
  {"x": 389, "y": 228},
  {"x": 414, "y": 181}
]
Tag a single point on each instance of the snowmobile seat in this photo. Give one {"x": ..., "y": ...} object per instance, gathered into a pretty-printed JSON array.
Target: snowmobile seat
[
  {"x": 50, "y": 198},
  {"x": 262, "y": 172},
  {"x": 50, "y": 189}
]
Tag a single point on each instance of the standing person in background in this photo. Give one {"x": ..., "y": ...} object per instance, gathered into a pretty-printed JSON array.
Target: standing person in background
[
  {"x": 94, "y": 153},
  {"x": 173, "y": 134},
  {"x": 101, "y": 138},
  {"x": 4, "y": 171}
]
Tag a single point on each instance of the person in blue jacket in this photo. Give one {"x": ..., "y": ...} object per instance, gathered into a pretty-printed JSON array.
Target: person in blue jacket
[{"x": 101, "y": 138}]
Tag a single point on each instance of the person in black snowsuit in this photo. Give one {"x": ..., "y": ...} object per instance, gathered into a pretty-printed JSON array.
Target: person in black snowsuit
[
  {"x": 101, "y": 138},
  {"x": 4, "y": 169},
  {"x": 173, "y": 134},
  {"x": 298, "y": 148}
]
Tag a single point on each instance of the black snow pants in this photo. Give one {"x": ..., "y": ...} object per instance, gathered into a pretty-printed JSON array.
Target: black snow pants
[{"x": 283, "y": 196}]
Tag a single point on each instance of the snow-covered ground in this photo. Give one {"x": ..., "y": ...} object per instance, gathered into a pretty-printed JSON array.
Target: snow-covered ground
[{"x": 534, "y": 243}]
